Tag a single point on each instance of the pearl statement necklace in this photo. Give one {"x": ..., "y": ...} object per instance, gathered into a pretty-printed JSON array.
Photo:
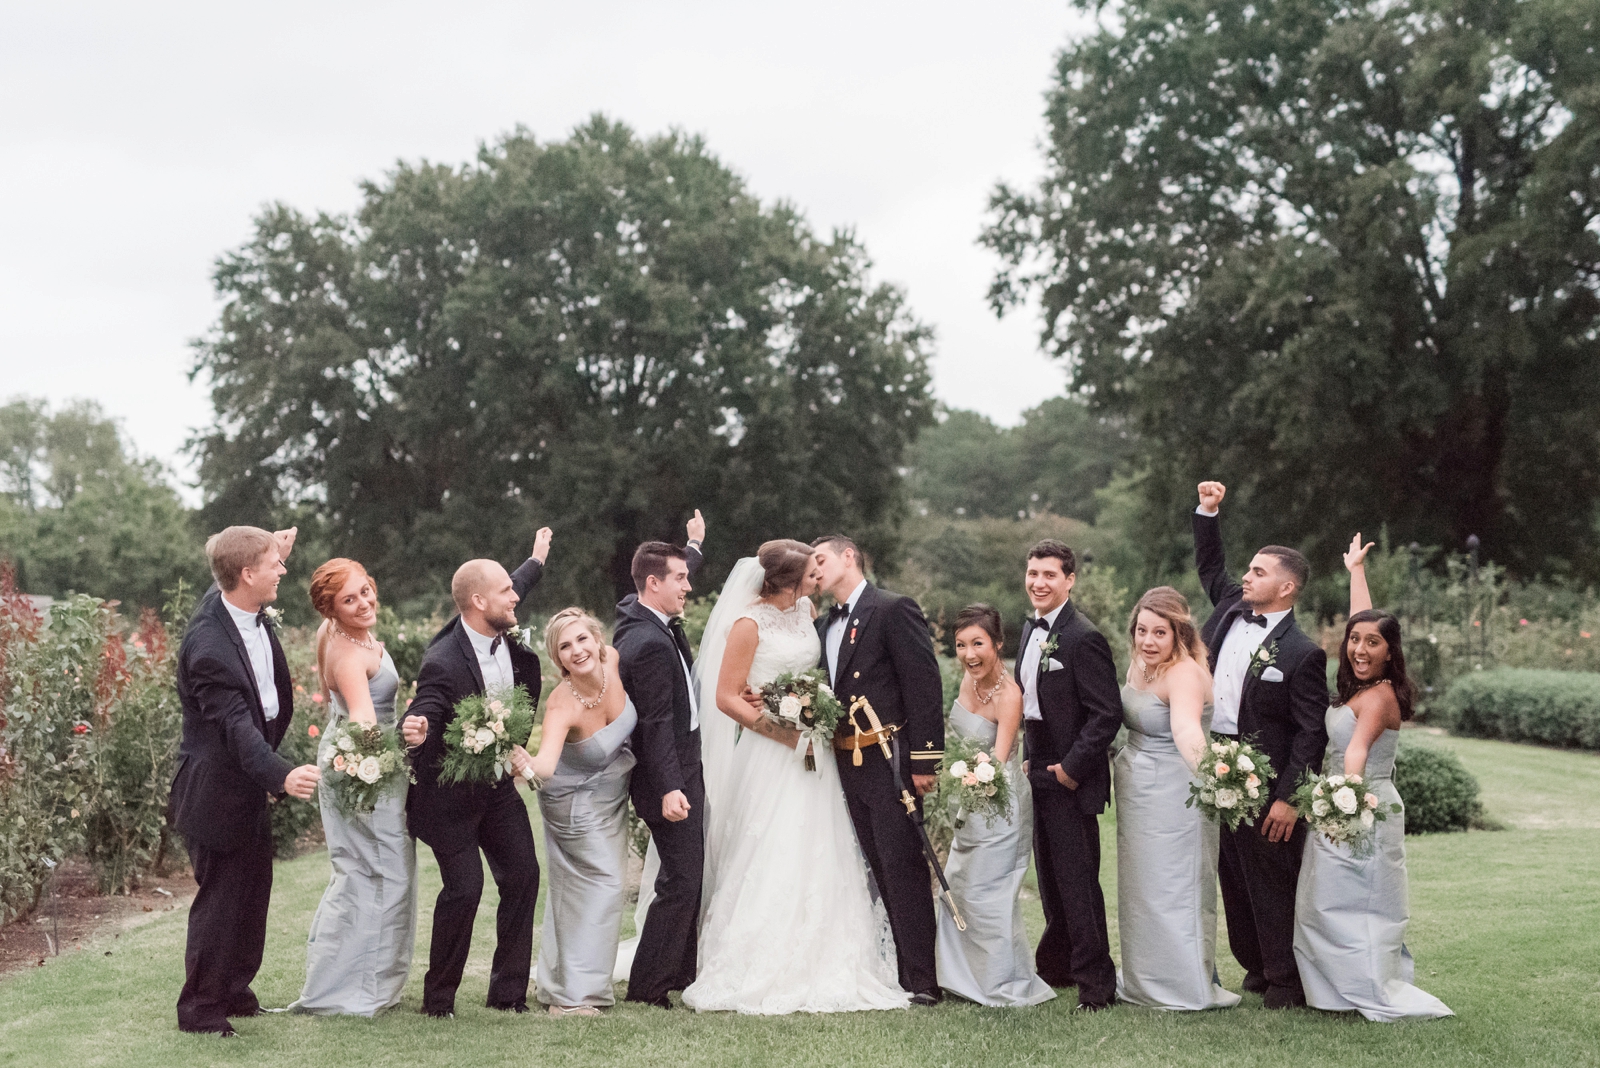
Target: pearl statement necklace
[
  {"x": 985, "y": 698},
  {"x": 368, "y": 644},
  {"x": 605, "y": 682}
]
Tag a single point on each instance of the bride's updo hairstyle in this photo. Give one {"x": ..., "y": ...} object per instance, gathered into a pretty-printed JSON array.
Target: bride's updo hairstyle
[
  {"x": 558, "y": 625},
  {"x": 785, "y": 562},
  {"x": 1173, "y": 607}
]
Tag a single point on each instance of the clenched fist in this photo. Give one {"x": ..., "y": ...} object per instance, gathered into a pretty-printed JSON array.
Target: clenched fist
[
  {"x": 414, "y": 730},
  {"x": 1211, "y": 494}
]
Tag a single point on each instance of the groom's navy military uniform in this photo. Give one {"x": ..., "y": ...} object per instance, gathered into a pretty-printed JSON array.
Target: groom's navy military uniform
[
  {"x": 885, "y": 654},
  {"x": 1281, "y": 710},
  {"x": 459, "y": 820},
  {"x": 228, "y": 765}
]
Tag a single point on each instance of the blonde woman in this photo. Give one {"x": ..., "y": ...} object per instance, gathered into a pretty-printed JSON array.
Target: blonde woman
[
  {"x": 581, "y": 772},
  {"x": 1166, "y": 853}
]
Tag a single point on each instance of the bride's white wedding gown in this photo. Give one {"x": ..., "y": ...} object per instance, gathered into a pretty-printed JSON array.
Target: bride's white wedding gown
[{"x": 788, "y": 924}]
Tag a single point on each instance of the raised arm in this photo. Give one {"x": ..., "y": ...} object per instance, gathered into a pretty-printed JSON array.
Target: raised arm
[
  {"x": 527, "y": 576},
  {"x": 1355, "y": 562},
  {"x": 1209, "y": 558}
]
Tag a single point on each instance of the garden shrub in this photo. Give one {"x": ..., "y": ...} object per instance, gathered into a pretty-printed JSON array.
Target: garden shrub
[
  {"x": 1439, "y": 794},
  {"x": 1558, "y": 708}
]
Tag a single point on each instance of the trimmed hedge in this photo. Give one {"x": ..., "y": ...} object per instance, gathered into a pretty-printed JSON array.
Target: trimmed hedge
[
  {"x": 1439, "y": 794},
  {"x": 1559, "y": 708}
]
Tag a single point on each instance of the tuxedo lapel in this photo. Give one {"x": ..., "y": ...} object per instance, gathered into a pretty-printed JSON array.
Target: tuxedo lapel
[
  {"x": 464, "y": 644},
  {"x": 854, "y": 626},
  {"x": 1252, "y": 677},
  {"x": 224, "y": 618}
]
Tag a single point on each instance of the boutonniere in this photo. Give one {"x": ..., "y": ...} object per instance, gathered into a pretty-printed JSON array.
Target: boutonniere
[
  {"x": 1264, "y": 657},
  {"x": 1047, "y": 650},
  {"x": 523, "y": 636},
  {"x": 274, "y": 617}
]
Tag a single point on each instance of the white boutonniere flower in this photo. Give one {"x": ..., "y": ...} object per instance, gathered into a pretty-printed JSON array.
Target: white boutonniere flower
[
  {"x": 1264, "y": 657},
  {"x": 274, "y": 616},
  {"x": 523, "y": 636}
]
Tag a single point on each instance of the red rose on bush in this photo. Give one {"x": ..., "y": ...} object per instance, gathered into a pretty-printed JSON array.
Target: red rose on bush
[
  {"x": 81, "y": 728},
  {"x": 312, "y": 730}
]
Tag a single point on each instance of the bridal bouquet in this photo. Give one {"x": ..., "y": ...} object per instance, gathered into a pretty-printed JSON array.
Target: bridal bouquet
[
  {"x": 477, "y": 743},
  {"x": 975, "y": 781},
  {"x": 1230, "y": 784},
  {"x": 805, "y": 702},
  {"x": 362, "y": 764},
  {"x": 1342, "y": 810}
]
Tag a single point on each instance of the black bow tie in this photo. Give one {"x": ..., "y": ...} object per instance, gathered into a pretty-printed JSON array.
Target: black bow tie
[
  {"x": 837, "y": 612},
  {"x": 1253, "y": 620},
  {"x": 494, "y": 646},
  {"x": 261, "y": 619}
]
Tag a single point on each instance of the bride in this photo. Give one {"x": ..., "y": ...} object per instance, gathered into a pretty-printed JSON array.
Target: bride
[{"x": 788, "y": 924}]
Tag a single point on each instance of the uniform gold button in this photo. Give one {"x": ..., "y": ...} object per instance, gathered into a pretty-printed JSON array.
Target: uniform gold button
[{"x": 857, "y": 675}]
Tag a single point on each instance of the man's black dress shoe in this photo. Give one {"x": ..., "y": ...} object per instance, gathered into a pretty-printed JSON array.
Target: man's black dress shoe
[
  {"x": 1279, "y": 997},
  {"x": 439, "y": 1014},
  {"x": 1255, "y": 983},
  {"x": 660, "y": 1002},
  {"x": 923, "y": 997},
  {"x": 1089, "y": 1006},
  {"x": 519, "y": 1008}
]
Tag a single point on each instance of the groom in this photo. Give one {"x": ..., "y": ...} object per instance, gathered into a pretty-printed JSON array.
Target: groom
[
  {"x": 668, "y": 788},
  {"x": 472, "y": 655},
  {"x": 1271, "y": 688},
  {"x": 876, "y": 645}
]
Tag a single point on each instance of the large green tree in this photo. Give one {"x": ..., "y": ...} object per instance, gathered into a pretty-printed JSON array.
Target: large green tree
[
  {"x": 1343, "y": 256},
  {"x": 78, "y": 511},
  {"x": 601, "y": 333}
]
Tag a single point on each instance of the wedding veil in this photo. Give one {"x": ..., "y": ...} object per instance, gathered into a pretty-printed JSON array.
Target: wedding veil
[{"x": 717, "y": 731}]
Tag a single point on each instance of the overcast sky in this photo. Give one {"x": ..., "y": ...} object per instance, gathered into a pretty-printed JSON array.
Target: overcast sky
[{"x": 139, "y": 140}]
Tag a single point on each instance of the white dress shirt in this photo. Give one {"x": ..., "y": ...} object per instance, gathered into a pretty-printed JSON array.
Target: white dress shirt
[
  {"x": 1030, "y": 663},
  {"x": 258, "y": 644},
  {"x": 496, "y": 666},
  {"x": 837, "y": 628},
  {"x": 688, "y": 673},
  {"x": 1233, "y": 667}
]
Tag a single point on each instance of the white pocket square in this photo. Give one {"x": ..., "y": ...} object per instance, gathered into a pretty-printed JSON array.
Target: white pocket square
[
  {"x": 1053, "y": 665},
  {"x": 1272, "y": 674}
]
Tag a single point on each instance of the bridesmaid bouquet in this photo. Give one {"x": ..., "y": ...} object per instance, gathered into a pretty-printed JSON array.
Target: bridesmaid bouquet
[
  {"x": 477, "y": 743},
  {"x": 976, "y": 782},
  {"x": 1342, "y": 810},
  {"x": 363, "y": 764},
  {"x": 805, "y": 702},
  {"x": 1230, "y": 783}
]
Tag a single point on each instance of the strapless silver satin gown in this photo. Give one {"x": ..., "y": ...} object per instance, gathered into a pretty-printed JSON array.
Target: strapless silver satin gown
[
  {"x": 359, "y": 951},
  {"x": 585, "y": 810},
  {"x": 990, "y": 962},
  {"x": 1350, "y": 915},
  {"x": 1166, "y": 869}
]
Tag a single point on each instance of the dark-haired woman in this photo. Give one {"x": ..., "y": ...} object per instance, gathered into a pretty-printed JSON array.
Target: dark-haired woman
[
  {"x": 990, "y": 962},
  {"x": 1350, "y": 913}
]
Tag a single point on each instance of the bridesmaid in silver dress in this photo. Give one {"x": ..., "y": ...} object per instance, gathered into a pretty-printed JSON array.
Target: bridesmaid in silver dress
[
  {"x": 359, "y": 951},
  {"x": 990, "y": 962},
  {"x": 1351, "y": 914},
  {"x": 1166, "y": 853},
  {"x": 581, "y": 772}
]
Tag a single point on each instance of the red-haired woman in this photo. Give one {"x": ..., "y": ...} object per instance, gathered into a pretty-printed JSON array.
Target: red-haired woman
[{"x": 359, "y": 951}]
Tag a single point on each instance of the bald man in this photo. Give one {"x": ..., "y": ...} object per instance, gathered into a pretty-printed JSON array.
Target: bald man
[{"x": 473, "y": 655}]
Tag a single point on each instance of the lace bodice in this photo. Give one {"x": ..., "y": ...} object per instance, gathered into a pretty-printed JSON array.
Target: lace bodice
[{"x": 788, "y": 641}]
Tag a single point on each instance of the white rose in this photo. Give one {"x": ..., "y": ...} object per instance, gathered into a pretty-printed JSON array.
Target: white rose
[
  {"x": 1227, "y": 798},
  {"x": 958, "y": 769},
  {"x": 823, "y": 687},
  {"x": 1335, "y": 780},
  {"x": 789, "y": 707},
  {"x": 484, "y": 737},
  {"x": 1245, "y": 763},
  {"x": 1345, "y": 799},
  {"x": 1254, "y": 792},
  {"x": 1218, "y": 748},
  {"x": 368, "y": 770},
  {"x": 1316, "y": 791},
  {"x": 1367, "y": 819},
  {"x": 984, "y": 772},
  {"x": 346, "y": 743},
  {"x": 1319, "y": 807}
]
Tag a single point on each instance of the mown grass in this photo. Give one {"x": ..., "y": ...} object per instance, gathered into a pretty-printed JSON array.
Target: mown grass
[{"x": 1505, "y": 928}]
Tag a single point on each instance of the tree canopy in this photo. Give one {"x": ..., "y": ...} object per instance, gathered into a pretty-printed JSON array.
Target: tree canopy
[
  {"x": 1345, "y": 258},
  {"x": 601, "y": 334},
  {"x": 79, "y": 512}
]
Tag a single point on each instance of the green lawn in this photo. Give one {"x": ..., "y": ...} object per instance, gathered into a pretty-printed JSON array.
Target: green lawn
[{"x": 1506, "y": 929}]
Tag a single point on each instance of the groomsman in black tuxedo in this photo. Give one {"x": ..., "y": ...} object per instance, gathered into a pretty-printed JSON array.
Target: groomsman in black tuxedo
[
  {"x": 1271, "y": 688},
  {"x": 1071, "y": 708},
  {"x": 473, "y": 654},
  {"x": 237, "y": 697},
  {"x": 876, "y": 645},
  {"x": 668, "y": 786}
]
